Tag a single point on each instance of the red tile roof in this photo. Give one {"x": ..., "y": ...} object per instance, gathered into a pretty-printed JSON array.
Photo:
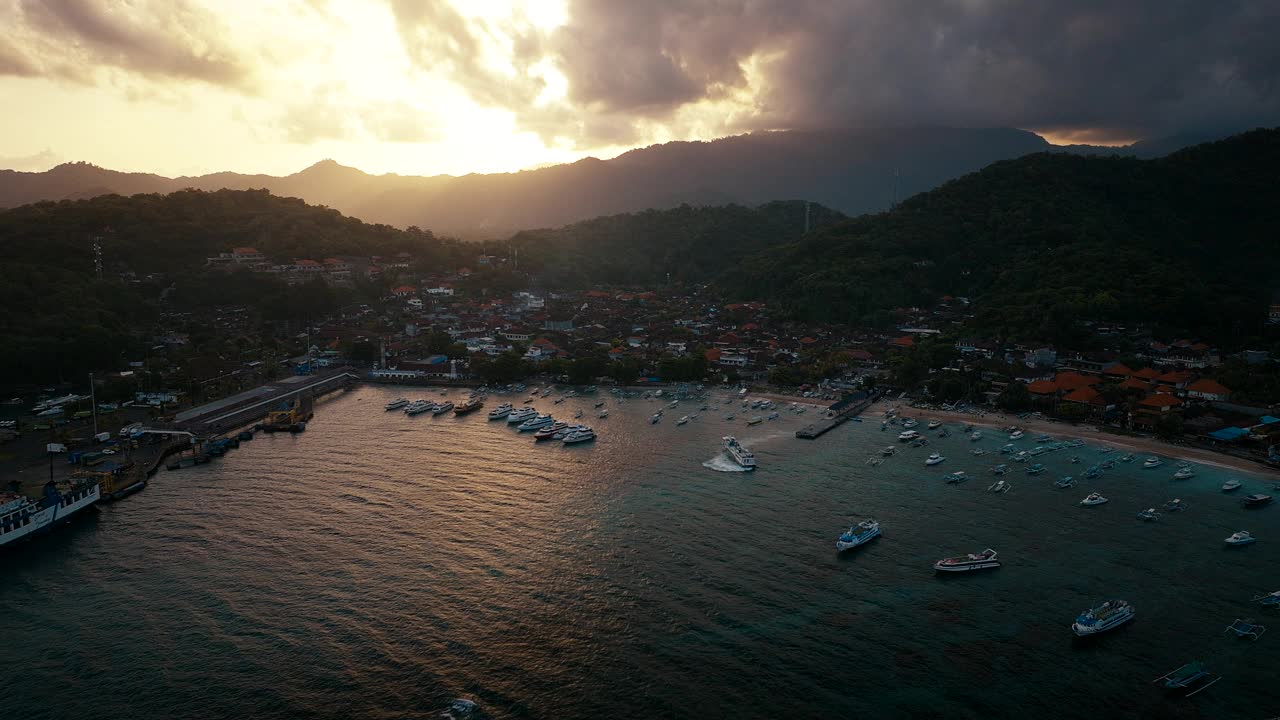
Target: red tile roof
[
  {"x": 1147, "y": 374},
  {"x": 1074, "y": 380},
  {"x": 1085, "y": 395},
  {"x": 1176, "y": 377},
  {"x": 904, "y": 341},
  {"x": 1212, "y": 387},
  {"x": 1042, "y": 387},
  {"x": 1134, "y": 384},
  {"x": 1118, "y": 370},
  {"x": 1160, "y": 401}
]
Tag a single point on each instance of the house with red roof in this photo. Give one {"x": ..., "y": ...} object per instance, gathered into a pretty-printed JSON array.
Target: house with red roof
[
  {"x": 1177, "y": 378},
  {"x": 1117, "y": 370},
  {"x": 1042, "y": 387},
  {"x": 1135, "y": 384},
  {"x": 1207, "y": 389},
  {"x": 1147, "y": 374},
  {"x": 905, "y": 341},
  {"x": 1159, "y": 403},
  {"x": 403, "y": 291},
  {"x": 1085, "y": 396}
]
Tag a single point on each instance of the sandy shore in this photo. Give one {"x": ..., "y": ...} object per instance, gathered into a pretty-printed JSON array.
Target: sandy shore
[{"x": 1089, "y": 433}]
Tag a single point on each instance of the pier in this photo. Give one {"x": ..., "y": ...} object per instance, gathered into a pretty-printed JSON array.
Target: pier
[
  {"x": 246, "y": 407},
  {"x": 840, "y": 412}
]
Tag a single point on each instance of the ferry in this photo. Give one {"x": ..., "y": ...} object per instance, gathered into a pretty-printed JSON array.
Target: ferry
[
  {"x": 417, "y": 407},
  {"x": 580, "y": 436},
  {"x": 741, "y": 455},
  {"x": 1241, "y": 538},
  {"x": 519, "y": 416},
  {"x": 442, "y": 408},
  {"x": 565, "y": 432},
  {"x": 546, "y": 432},
  {"x": 965, "y": 563},
  {"x": 21, "y": 516},
  {"x": 908, "y": 435},
  {"x": 397, "y": 403},
  {"x": 501, "y": 412},
  {"x": 536, "y": 423},
  {"x": 934, "y": 459},
  {"x": 468, "y": 406},
  {"x": 859, "y": 534},
  {"x": 1107, "y": 616}
]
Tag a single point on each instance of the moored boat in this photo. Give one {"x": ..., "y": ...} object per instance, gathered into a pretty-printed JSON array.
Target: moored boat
[
  {"x": 521, "y": 415},
  {"x": 22, "y": 517},
  {"x": 1148, "y": 515},
  {"x": 580, "y": 436},
  {"x": 535, "y": 423},
  {"x": 935, "y": 424},
  {"x": 1191, "y": 675},
  {"x": 1231, "y": 484},
  {"x": 1256, "y": 500},
  {"x": 934, "y": 459},
  {"x": 999, "y": 486},
  {"x": 1000, "y": 469},
  {"x": 547, "y": 432},
  {"x": 1065, "y": 482},
  {"x": 1241, "y": 537},
  {"x": 469, "y": 405},
  {"x": 859, "y": 534},
  {"x": 1035, "y": 469},
  {"x": 965, "y": 563},
  {"x": 1015, "y": 435},
  {"x": 1268, "y": 599},
  {"x": 397, "y": 403},
  {"x": 1107, "y": 616},
  {"x": 1175, "y": 505},
  {"x": 1152, "y": 462},
  {"x": 1093, "y": 499},
  {"x": 956, "y": 477},
  {"x": 908, "y": 436},
  {"x": 500, "y": 412},
  {"x": 1183, "y": 473}
]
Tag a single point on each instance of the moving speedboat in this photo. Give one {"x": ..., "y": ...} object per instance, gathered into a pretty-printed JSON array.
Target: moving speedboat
[
  {"x": 500, "y": 412},
  {"x": 1241, "y": 538},
  {"x": 1183, "y": 473},
  {"x": 934, "y": 459},
  {"x": 964, "y": 563},
  {"x": 741, "y": 455},
  {"x": 1231, "y": 484},
  {"x": 1107, "y": 616},
  {"x": 859, "y": 534},
  {"x": 397, "y": 403},
  {"x": 1152, "y": 462},
  {"x": 1093, "y": 499}
]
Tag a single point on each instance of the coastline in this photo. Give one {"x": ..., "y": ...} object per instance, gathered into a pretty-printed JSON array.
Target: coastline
[{"x": 1090, "y": 433}]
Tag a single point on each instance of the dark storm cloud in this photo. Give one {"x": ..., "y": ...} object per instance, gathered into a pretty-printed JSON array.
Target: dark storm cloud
[
  {"x": 73, "y": 38},
  {"x": 1120, "y": 69}
]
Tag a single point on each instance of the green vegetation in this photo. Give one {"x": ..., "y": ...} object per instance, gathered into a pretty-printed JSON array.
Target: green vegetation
[{"x": 1044, "y": 242}]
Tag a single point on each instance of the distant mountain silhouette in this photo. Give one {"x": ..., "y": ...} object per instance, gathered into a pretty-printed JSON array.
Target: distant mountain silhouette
[{"x": 853, "y": 171}]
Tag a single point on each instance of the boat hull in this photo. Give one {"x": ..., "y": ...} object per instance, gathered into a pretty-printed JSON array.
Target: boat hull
[
  {"x": 1091, "y": 630},
  {"x": 968, "y": 567}
]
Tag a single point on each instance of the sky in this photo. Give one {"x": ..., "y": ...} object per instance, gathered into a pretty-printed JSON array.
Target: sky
[{"x": 424, "y": 87}]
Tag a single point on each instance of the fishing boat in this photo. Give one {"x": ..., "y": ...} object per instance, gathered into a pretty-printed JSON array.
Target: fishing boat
[
  {"x": 966, "y": 563},
  {"x": 1065, "y": 482},
  {"x": 397, "y": 403},
  {"x": 935, "y": 424},
  {"x": 1175, "y": 505},
  {"x": 1148, "y": 515},
  {"x": 1044, "y": 438},
  {"x": 1107, "y": 616},
  {"x": 1184, "y": 473},
  {"x": 1093, "y": 472},
  {"x": 999, "y": 486},
  {"x": 1021, "y": 457},
  {"x": 547, "y": 432},
  {"x": 604, "y": 413},
  {"x": 908, "y": 423},
  {"x": 1241, "y": 537},
  {"x": 1007, "y": 449},
  {"x": 1191, "y": 675},
  {"x": 655, "y": 418},
  {"x": 1268, "y": 599},
  {"x": 934, "y": 459},
  {"x": 1256, "y": 500},
  {"x": 1035, "y": 469},
  {"x": 908, "y": 436},
  {"x": 859, "y": 534},
  {"x": 1231, "y": 485},
  {"x": 1152, "y": 462},
  {"x": 1245, "y": 628},
  {"x": 1000, "y": 469},
  {"x": 740, "y": 454},
  {"x": 1127, "y": 458},
  {"x": 468, "y": 406},
  {"x": 500, "y": 412},
  {"x": 755, "y": 420},
  {"x": 975, "y": 436},
  {"x": 956, "y": 477},
  {"x": 888, "y": 450},
  {"x": 1093, "y": 499}
]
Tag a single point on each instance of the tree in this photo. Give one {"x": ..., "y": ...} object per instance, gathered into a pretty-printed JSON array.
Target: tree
[
  {"x": 1169, "y": 426},
  {"x": 1014, "y": 397}
]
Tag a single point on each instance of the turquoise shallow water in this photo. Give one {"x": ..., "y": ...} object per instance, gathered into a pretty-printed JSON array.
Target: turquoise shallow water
[{"x": 377, "y": 566}]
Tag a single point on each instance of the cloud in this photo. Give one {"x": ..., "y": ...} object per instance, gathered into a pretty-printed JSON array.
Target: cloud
[
  {"x": 75, "y": 39},
  {"x": 39, "y": 162},
  {"x": 1105, "y": 69},
  {"x": 327, "y": 113}
]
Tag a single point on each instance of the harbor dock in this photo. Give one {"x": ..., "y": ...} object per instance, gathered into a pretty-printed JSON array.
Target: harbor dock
[{"x": 836, "y": 415}]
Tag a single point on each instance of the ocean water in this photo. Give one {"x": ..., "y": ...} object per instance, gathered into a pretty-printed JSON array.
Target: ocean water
[{"x": 378, "y": 566}]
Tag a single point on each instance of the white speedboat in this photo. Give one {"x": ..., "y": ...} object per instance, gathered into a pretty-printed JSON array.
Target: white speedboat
[
  {"x": 965, "y": 563},
  {"x": 934, "y": 459},
  {"x": 1231, "y": 484},
  {"x": 740, "y": 454},
  {"x": 500, "y": 412},
  {"x": 397, "y": 403},
  {"x": 1241, "y": 538},
  {"x": 888, "y": 450},
  {"x": 908, "y": 436},
  {"x": 683, "y": 419},
  {"x": 1015, "y": 435},
  {"x": 1152, "y": 462},
  {"x": 1107, "y": 616},
  {"x": 1183, "y": 473},
  {"x": 536, "y": 423},
  {"x": 999, "y": 486},
  {"x": 859, "y": 534},
  {"x": 908, "y": 423},
  {"x": 975, "y": 436},
  {"x": 1093, "y": 499},
  {"x": 580, "y": 436},
  {"x": 935, "y": 424},
  {"x": 521, "y": 415}
]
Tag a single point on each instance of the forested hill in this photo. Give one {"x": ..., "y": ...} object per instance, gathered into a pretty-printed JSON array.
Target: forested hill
[
  {"x": 1190, "y": 241},
  {"x": 684, "y": 244}
]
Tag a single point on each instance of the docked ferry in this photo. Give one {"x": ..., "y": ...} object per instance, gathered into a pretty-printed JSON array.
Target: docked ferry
[
  {"x": 740, "y": 454},
  {"x": 1109, "y": 615},
  {"x": 501, "y": 412},
  {"x": 964, "y": 563},
  {"x": 856, "y": 535},
  {"x": 469, "y": 405},
  {"x": 21, "y": 516}
]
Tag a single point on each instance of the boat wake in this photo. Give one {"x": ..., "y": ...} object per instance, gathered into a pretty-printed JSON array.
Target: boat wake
[{"x": 720, "y": 463}]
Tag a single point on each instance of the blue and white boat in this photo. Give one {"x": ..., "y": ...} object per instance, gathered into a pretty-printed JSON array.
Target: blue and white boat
[
  {"x": 1093, "y": 472},
  {"x": 1269, "y": 599},
  {"x": 1107, "y": 616},
  {"x": 1035, "y": 469},
  {"x": 859, "y": 534},
  {"x": 536, "y": 423},
  {"x": 21, "y": 516}
]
